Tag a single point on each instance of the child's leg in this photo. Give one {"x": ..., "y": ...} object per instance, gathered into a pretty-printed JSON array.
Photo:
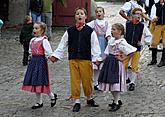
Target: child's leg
[
  {"x": 39, "y": 102},
  {"x": 116, "y": 96},
  {"x": 115, "y": 106},
  {"x": 53, "y": 98},
  {"x": 95, "y": 78},
  {"x": 39, "y": 98}
]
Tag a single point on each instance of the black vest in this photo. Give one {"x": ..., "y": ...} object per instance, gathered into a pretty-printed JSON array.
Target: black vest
[
  {"x": 160, "y": 13},
  {"x": 134, "y": 33},
  {"x": 79, "y": 43}
]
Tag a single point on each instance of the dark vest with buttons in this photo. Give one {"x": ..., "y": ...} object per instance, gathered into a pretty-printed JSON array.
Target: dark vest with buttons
[
  {"x": 160, "y": 13},
  {"x": 134, "y": 33},
  {"x": 79, "y": 43}
]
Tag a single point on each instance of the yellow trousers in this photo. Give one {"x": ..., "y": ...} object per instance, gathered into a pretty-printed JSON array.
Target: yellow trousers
[
  {"x": 134, "y": 62},
  {"x": 81, "y": 72},
  {"x": 158, "y": 34}
]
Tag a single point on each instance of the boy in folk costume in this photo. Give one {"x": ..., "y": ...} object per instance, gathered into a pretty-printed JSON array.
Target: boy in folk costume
[
  {"x": 83, "y": 48},
  {"x": 158, "y": 16},
  {"x": 103, "y": 31},
  {"x": 135, "y": 30}
]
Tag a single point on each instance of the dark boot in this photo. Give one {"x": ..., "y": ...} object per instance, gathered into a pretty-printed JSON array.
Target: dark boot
[
  {"x": 154, "y": 56},
  {"x": 162, "y": 61}
]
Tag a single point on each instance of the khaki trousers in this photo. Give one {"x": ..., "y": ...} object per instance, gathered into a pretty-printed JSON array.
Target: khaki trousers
[
  {"x": 158, "y": 34},
  {"x": 134, "y": 62},
  {"x": 81, "y": 71}
]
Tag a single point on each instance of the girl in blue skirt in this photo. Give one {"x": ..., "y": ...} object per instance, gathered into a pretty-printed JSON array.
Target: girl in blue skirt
[
  {"x": 112, "y": 75},
  {"x": 37, "y": 74}
]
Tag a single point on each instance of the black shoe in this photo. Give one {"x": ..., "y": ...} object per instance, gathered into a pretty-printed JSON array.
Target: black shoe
[
  {"x": 25, "y": 64},
  {"x": 119, "y": 102},
  {"x": 53, "y": 101},
  {"x": 92, "y": 103},
  {"x": 37, "y": 105},
  {"x": 131, "y": 87},
  {"x": 128, "y": 81},
  {"x": 76, "y": 107},
  {"x": 96, "y": 88},
  {"x": 161, "y": 64},
  {"x": 129, "y": 67},
  {"x": 114, "y": 108},
  {"x": 152, "y": 63}
]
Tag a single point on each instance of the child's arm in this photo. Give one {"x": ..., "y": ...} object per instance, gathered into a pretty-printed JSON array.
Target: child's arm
[
  {"x": 59, "y": 52},
  {"x": 147, "y": 35},
  {"x": 95, "y": 48},
  {"x": 47, "y": 48},
  {"x": 108, "y": 31}
]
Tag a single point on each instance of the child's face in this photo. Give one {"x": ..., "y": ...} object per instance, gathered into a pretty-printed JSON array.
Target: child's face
[
  {"x": 37, "y": 31},
  {"x": 99, "y": 13},
  {"x": 115, "y": 32},
  {"x": 80, "y": 16},
  {"x": 137, "y": 16}
]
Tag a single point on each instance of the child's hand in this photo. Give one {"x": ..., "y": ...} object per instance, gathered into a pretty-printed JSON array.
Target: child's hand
[
  {"x": 121, "y": 57},
  {"x": 53, "y": 59}
]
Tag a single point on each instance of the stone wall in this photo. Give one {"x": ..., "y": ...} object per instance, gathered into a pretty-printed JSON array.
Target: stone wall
[{"x": 17, "y": 11}]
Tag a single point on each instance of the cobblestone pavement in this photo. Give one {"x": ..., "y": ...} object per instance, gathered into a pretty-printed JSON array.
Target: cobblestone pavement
[{"x": 148, "y": 99}]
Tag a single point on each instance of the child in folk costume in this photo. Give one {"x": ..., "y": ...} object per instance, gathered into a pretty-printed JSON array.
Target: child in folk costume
[
  {"x": 103, "y": 31},
  {"x": 112, "y": 75},
  {"x": 25, "y": 37},
  {"x": 83, "y": 48},
  {"x": 136, "y": 34},
  {"x": 37, "y": 75}
]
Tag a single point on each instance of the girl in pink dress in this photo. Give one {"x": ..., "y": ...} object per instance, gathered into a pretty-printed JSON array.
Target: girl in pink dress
[
  {"x": 37, "y": 74},
  {"x": 112, "y": 75}
]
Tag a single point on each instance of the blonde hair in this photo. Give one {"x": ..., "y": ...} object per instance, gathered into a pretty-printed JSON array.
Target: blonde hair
[
  {"x": 42, "y": 26},
  {"x": 120, "y": 27},
  {"x": 26, "y": 19}
]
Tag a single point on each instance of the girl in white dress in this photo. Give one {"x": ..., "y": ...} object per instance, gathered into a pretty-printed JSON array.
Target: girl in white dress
[
  {"x": 112, "y": 75},
  {"x": 103, "y": 31}
]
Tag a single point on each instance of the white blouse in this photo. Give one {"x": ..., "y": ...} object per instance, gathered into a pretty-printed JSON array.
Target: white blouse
[
  {"x": 123, "y": 46},
  {"x": 46, "y": 46},
  {"x": 102, "y": 24}
]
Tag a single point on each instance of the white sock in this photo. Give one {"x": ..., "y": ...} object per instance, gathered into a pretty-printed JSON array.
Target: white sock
[
  {"x": 133, "y": 77},
  {"x": 77, "y": 101},
  {"x": 95, "y": 76},
  {"x": 51, "y": 95},
  {"x": 116, "y": 96},
  {"x": 39, "y": 98}
]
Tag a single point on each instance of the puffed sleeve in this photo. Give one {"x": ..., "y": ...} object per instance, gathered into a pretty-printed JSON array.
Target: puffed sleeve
[
  {"x": 126, "y": 48},
  {"x": 47, "y": 48}
]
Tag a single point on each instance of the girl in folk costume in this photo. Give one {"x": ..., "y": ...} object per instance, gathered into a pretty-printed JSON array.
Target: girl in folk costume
[
  {"x": 37, "y": 74},
  {"x": 112, "y": 75},
  {"x": 83, "y": 48},
  {"x": 103, "y": 31}
]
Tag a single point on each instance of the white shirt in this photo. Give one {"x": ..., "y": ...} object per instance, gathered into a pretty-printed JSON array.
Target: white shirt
[
  {"x": 95, "y": 48},
  {"x": 46, "y": 46},
  {"x": 147, "y": 2},
  {"x": 131, "y": 5},
  {"x": 153, "y": 12},
  {"x": 102, "y": 24}
]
